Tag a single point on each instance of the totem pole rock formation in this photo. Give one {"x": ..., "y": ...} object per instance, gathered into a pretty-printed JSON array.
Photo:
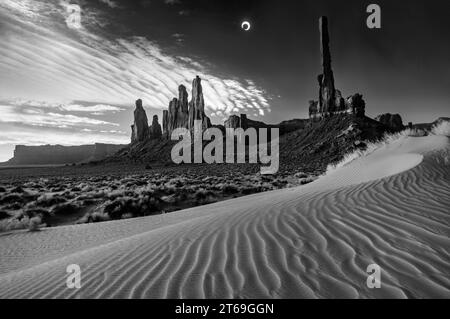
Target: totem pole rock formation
[
  {"x": 331, "y": 100},
  {"x": 326, "y": 79}
]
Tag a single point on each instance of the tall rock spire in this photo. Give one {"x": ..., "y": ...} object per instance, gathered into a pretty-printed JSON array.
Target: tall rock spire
[
  {"x": 140, "y": 127},
  {"x": 326, "y": 79},
  {"x": 197, "y": 105}
]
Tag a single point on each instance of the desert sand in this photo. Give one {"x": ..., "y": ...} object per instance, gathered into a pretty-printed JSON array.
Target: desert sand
[{"x": 389, "y": 207}]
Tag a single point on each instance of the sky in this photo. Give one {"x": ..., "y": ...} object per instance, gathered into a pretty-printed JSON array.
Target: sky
[{"x": 70, "y": 83}]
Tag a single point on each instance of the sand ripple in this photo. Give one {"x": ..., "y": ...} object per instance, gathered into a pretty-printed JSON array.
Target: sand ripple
[{"x": 305, "y": 242}]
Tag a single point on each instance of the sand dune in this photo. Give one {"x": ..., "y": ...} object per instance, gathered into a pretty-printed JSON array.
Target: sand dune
[{"x": 388, "y": 208}]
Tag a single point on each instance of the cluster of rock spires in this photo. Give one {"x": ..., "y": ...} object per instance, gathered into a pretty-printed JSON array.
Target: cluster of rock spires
[
  {"x": 331, "y": 100},
  {"x": 181, "y": 114}
]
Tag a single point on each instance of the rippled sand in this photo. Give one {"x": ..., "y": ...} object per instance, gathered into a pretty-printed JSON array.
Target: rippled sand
[{"x": 390, "y": 208}]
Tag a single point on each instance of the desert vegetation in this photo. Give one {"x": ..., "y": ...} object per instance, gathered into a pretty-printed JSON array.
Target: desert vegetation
[{"x": 31, "y": 203}]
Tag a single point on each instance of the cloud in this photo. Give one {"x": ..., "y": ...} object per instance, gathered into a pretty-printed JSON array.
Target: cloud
[
  {"x": 110, "y": 3},
  {"x": 43, "y": 60},
  {"x": 172, "y": 2},
  {"x": 70, "y": 107},
  {"x": 98, "y": 108},
  {"x": 11, "y": 114}
]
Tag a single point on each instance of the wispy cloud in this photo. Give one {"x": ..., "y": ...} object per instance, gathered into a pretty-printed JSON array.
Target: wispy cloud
[
  {"x": 36, "y": 117},
  {"x": 41, "y": 59},
  {"x": 98, "y": 108},
  {"x": 110, "y": 3}
]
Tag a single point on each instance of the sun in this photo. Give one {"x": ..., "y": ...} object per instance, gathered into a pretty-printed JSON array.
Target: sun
[{"x": 246, "y": 25}]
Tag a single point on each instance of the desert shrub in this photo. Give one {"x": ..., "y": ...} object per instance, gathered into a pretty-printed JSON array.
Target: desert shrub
[
  {"x": 4, "y": 215},
  {"x": 278, "y": 183},
  {"x": 34, "y": 212},
  {"x": 168, "y": 189},
  {"x": 247, "y": 190},
  {"x": 181, "y": 196},
  {"x": 135, "y": 206},
  {"x": 58, "y": 189},
  {"x": 34, "y": 224},
  {"x": 96, "y": 217},
  {"x": 92, "y": 195},
  {"x": 442, "y": 128},
  {"x": 11, "y": 198},
  {"x": 307, "y": 180},
  {"x": 177, "y": 182},
  {"x": 203, "y": 196},
  {"x": 13, "y": 224},
  {"x": 65, "y": 209},
  {"x": 229, "y": 189},
  {"x": 47, "y": 200},
  {"x": 300, "y": 175},
  {"x": 416, "y": 133},
  {"x": 88, "y": 202},
  {"x": 171, "y": 199},
  {"x": 17, "y": 189}
]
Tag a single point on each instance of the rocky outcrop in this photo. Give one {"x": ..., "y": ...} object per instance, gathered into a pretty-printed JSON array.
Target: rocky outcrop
[
  {"x": 313, "y": 109},
  {"x": 155, "y": 131},
  {"x": 182, "y": 114},
  {"x": 178, "y": 114},
  {"x": 339, "y": 102},
  {"x": 139, "y": 130},
  {"x": 235, "y": 121},
  {"x": 356, "y": 105},
  {"x": 392, "y": 121}
]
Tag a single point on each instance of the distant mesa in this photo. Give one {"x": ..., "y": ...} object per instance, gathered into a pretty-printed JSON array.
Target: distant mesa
[{"x": 59, "y": 154}]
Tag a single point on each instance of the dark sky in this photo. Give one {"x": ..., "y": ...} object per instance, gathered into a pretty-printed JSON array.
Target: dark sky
[{"x": 402, "y": 67}]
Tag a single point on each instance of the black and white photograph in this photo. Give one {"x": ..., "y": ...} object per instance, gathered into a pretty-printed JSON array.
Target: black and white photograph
[{"x": 224, "y": 150}]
